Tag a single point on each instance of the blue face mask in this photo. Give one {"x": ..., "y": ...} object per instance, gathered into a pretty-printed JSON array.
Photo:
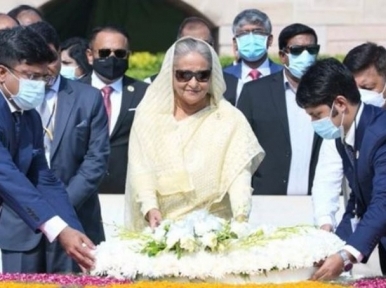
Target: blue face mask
[
  {"x": 68, "y": 72},
  {"x": 298, "y": 64},
  {"x": 31, "y": 93},
  {"x": 326, "y": 129},
  {"x": 252, "y": 47}
]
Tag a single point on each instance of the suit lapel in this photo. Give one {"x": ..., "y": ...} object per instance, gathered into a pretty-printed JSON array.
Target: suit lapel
[
  {"x": 278, "y": 98},
  {"x": 128, "y": 95},
  {"x": 24, "y": 156},
  {"x": 65, "y": 102}
]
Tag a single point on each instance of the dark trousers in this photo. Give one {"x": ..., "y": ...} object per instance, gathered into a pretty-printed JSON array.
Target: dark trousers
[
  {"x": 382, "y": 258},
  {"x": 44, "y": 258}
]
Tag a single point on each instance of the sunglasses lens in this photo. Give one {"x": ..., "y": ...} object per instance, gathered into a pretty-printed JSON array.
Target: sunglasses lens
[
  {"x": 313, "y": 50},
  {"x": 104, "y": 53},
  {"x": 203, "y": 76},
  {"x": 183, "y": 76},
  {"x": 120, "y": 53},
  {"x": 296, "y": 50}
]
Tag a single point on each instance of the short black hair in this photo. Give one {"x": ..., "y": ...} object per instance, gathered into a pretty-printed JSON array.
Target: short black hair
[
  {"x": 193, "y": 21},
  {"x": 324, "y": 81},
  {"x": 293, "y": 30},
  {"x": 23, "y": 45},
  {"x": 76, "y": 48},
  {"x": 108, "y": 28},
  {"x": 48, "y": 32},
  {"x": 21, "y": 8},
  {"x": 364, "y": 56}
]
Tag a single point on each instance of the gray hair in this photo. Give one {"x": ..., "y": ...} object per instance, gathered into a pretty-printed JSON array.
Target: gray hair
[
  {"x": 254, "y": 17},
  {"x": 188, "y": 45}
]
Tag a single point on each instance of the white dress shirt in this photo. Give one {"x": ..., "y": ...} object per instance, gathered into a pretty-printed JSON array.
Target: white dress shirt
[
  {"x": 52, "y": 227},
  {"x": 264, "y": 70},
  {"x": 327, "y": 184},
  {"x": 51, "y": 98},
  {"x": 115, "y": 97},
  {"x": 302, "y": 138}
]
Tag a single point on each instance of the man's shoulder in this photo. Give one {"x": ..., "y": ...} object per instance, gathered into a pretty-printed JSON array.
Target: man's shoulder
[
  {"x": 272, "y": 79},
  {"x": 127, "y": 81}
]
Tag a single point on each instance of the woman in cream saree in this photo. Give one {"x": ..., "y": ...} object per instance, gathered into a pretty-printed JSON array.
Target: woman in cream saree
[{"x": 202, "y": 161}]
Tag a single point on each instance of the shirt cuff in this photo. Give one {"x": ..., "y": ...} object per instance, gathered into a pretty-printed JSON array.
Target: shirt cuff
[
  {"x": 354, "y": 252},
  {"x": 327, "y": 219},
  {"x": 53, "y": 227},
  {"x": 148, "y": 205}
]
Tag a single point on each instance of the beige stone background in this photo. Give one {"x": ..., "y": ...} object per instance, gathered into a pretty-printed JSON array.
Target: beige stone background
[{"x": 340, "y": 24}]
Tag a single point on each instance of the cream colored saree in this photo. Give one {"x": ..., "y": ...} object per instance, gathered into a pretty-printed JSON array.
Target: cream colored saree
[{"x": 202, "y": 162}]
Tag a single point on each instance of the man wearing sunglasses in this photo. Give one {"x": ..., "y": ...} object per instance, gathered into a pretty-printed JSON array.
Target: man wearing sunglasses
[
  {"x": 198, "y": 28},
  {"x": 251, "y": 38},
  {"x": 108, "y": 54},
  {"x": 283, "y": 129}
]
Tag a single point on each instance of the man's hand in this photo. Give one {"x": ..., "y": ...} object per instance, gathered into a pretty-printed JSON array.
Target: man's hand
[
  {"x": 154, "y": 217},
  {"x": 78, "y": 247},
  {"x": 330, "y": 269},
  {"x": 327, "y": 227}
]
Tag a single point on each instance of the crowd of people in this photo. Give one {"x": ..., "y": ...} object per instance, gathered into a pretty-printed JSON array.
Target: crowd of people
[{"x": 194, "y": 136}]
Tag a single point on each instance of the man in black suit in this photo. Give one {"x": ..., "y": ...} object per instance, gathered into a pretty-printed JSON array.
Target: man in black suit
[
  {"x": 76, "y": 146},
  {"x": 199, "y": 28},
  {"x": 108, "y": 55},
  {"x": 282, "y": 128}
]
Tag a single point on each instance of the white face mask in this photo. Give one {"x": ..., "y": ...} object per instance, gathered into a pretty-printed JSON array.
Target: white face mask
[
  {"x": 372, "y": 97},
  {"x": 31, "y": 93},
  {"x": 69, "y": 72}
]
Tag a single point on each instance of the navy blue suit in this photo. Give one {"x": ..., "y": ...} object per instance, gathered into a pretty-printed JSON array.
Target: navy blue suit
[
  {"x": 368, "y": 184},
  {"x": 235, "y": 70},
  {"x": 27, "y": 186},
  {"x": 78, "y": 156}
]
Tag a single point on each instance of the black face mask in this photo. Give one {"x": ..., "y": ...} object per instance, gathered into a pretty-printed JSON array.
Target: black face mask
[{"x": 111, "y": 67}]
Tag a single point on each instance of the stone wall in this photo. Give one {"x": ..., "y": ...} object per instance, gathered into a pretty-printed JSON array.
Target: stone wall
[{"x": 340, "y": 24}]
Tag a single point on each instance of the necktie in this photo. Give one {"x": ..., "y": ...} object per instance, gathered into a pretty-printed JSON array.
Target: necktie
[
  {"x": 17, "y": 117},
  {"x": 350, "y": 154},
  {"x": 254, "y": 74},
  {"x": 106, "y": 93},
  {"x": 47, "y": 116}
]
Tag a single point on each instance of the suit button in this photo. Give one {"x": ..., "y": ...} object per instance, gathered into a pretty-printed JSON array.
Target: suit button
[
  {"x": 284, "y": 181},
  {"x": 287, "y": 154}
]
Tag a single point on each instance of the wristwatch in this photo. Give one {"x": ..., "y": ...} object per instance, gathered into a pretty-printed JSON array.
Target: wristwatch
[{"x": 347, "y": 264}]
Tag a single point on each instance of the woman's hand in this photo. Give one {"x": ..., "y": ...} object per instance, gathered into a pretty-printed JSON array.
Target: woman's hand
[{"x": 154, "y": 217}]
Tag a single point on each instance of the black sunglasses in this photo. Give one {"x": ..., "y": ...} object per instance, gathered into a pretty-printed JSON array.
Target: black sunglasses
[
  {"x": 187, "y": 75},
  {"x": 298, "y": 49},
  {"x": 119, "y": 53}
]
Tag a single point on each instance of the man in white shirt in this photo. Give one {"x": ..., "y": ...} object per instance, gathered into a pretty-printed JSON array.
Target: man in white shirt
[{"x": 367, "y": 62}]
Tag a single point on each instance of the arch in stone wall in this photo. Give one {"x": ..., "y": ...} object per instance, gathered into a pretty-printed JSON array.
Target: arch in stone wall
[{"x": 152, "y": 24}]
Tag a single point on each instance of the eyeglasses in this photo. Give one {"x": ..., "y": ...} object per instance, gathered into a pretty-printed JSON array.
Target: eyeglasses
[
  {"x": 187, "y": 75},
  {"x": 298, "y": 49},
  {"x": 257, "y": 31},
  {"x": 119, "y": 53},
  {"x": 30, "y": 76}
]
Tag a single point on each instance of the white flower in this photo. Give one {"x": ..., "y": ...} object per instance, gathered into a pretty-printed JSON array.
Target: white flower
[
  {"x": 188, "y": 243},
  {"x": 241, "y": 229},
  {"x": 209, "y": 240}
]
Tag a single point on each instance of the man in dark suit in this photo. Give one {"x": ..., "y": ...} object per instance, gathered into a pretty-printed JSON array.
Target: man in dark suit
[
  {"x": 27, "y": 186},
  {"x": 252, "y": 36},
  {"x": 282, "y": 128},
  {"x": 76, "y": 148},
  {"x": 329, "y": 94},
  {"x": 198, "y": 28},
  {"x": 108, "y": 54}
]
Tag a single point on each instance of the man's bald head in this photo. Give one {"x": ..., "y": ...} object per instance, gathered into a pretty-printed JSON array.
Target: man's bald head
[
  {"x": 7, "y": 22},
  {"x": 197, "y": 28}
]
